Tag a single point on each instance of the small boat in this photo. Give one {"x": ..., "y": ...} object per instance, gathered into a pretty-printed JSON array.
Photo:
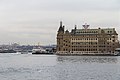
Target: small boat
[
  {"x": 117, "y": 51},
  {"x": 40, "y": 50},
  {"x": 7, "y": 51},
  {"x": 24, "y": 52}
]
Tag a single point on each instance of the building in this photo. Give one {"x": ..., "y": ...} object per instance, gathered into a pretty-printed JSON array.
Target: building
[{"x": 86, "y": 41}]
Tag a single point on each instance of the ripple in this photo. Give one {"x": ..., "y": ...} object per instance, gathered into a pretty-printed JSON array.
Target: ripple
[
  {"x": 87, "y": 59},
  {"x": 30, "y": 67}
]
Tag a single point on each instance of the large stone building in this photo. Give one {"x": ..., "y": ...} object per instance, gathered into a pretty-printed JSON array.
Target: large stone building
[{"x": 86, "y": 41}]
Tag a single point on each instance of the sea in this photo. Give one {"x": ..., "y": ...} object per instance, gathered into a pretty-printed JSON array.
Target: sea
[{"x": 52, "y": 67}]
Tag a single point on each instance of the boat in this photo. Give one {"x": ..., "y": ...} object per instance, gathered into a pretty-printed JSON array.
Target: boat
[
  {"x": 117, "y": 51},
  {"x": 40, "y": 50},
  {"x": 24, "y": 52},
  {"x": 7, "y": 51}
]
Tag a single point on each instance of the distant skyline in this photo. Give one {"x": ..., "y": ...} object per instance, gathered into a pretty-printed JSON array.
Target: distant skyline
[{"x": 37, "y": 21}]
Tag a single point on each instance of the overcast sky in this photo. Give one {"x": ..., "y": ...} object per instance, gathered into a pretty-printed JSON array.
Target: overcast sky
[{"x": 33, "y": 21}]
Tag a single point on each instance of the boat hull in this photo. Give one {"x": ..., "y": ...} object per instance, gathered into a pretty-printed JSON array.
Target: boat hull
[
  {"x": 8, "y": 51},
  {"x": 47, "y": 53}
]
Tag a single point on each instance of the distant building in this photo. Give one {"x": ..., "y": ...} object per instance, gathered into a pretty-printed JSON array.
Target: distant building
[{"x": 86, "y": 41}]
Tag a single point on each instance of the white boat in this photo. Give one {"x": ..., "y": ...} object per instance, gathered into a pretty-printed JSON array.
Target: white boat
[
  {"x": 24, "y": 52},
  {"x": 117, "y": 51},
  {"x": 40, "y": 50}
]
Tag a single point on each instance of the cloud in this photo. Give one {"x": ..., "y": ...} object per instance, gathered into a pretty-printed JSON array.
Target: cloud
[{"x": 31, "y": 21}]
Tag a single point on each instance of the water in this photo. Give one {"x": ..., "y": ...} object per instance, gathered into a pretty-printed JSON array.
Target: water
[{"x": 52, "y": 67}]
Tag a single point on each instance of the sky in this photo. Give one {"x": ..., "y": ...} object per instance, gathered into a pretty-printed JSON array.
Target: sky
[{"x": 37, "y": 21}]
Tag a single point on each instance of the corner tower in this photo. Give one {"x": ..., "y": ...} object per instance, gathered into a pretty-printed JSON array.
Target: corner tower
[{"x": 60, "y": 35}]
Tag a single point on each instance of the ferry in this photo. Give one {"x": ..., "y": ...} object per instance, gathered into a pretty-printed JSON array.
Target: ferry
[{"x": 40, "y": 50}]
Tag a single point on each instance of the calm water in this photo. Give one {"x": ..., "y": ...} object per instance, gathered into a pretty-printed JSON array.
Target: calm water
[{"x": 51, "y": 67}]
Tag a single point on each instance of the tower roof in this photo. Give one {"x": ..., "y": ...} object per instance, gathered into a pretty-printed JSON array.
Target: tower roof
[{"x": 61, "y": 28}]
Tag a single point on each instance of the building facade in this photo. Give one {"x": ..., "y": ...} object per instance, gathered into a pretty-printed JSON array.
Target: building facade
[{"x": 86, "y": 41}]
